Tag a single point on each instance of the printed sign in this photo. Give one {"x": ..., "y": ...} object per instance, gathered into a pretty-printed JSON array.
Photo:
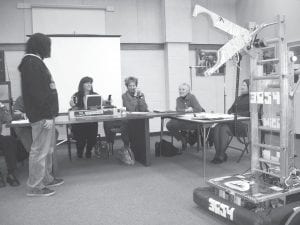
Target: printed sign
[
  {"x": 267, "y": 97},
  {"x": 220, "y": 209}
]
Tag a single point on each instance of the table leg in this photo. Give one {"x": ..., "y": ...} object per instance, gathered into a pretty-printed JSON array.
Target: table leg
[
  {"x": 162, "y": 120},
  {"x": 140, "y": 140},
  {"x": 204, "y": 153},
  {"x": 68, "y": 142}
]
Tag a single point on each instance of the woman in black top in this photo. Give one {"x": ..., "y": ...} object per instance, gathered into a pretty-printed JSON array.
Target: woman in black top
[
  {"x": 85, "y": 134},
  {"x": 223, "y": 130}
]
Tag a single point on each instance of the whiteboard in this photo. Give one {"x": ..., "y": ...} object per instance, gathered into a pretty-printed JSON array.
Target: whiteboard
[{"x": 74, "y": 57}]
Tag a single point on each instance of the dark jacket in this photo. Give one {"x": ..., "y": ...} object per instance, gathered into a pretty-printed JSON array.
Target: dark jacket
[
  {"x": 242, "y": 104},
  {"x": 133, "y": 103},
  {"x": 38, "y": 89},
  {"x": 188, "y": 101},
  {"x": 78, "y": 100},
  {"x": 237, "y": 128}
]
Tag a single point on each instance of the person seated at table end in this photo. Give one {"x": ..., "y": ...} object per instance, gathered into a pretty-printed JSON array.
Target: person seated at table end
[
  {"x": 222, "y": 131},
  {"x": 186, "y": 102}
]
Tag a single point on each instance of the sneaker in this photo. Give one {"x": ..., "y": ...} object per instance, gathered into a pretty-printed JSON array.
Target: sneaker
[
  {"x": 35, "y": 192},
  {"x": 55, "y": 182}
]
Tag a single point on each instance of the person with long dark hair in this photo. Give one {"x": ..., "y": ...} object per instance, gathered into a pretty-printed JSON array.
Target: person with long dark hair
[
  {"x": 223, "y": 130},
  {"x": 41, "y": 107},
  {"x": 85, "y": 134}
]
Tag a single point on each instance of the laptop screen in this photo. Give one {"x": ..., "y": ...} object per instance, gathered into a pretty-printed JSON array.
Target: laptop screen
[{"x": 93, "y": 101}]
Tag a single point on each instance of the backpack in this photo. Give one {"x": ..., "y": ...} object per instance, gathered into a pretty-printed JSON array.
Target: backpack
[{"x": 167, "y": 149}]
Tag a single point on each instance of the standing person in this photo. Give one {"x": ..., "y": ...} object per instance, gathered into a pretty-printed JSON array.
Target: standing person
[
  {"x": 186, "y": 102},
  {"x": 85, "y": 134},
  {"x": 223, "y": 130},
  {"x": 41, "y": 107}
]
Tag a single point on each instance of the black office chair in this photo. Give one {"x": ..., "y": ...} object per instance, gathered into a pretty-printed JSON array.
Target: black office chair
[
  {"x": 242, "y": 136},
  {"x": 115, "y": 129},
  {"x": 190, "y": 134}
]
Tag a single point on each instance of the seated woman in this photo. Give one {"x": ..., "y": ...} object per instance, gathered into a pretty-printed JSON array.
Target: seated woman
[
  {"x": 134, "y": 101},
  {"x": 223, "y": 130},
  {"x": 24, "y": 134},
  {"x": 85, "y": 134},
  {"x": 186, "y": 102},
  {"x": 10, "y": 150}
]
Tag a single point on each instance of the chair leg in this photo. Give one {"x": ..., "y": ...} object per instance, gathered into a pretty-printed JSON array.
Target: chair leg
[
  {"x": 198, "y": 144},
  {"x": 162, "y": 121},
  {"x": 243, "y": 152}
]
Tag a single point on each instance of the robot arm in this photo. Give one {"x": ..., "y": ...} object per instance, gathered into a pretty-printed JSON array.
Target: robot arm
[{"x": 241, "y": 37}]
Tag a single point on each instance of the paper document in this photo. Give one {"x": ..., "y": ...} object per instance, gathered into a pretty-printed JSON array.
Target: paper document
[
  {"x": 19, "y": 121},
  {"x": 207, "y": 116},
  {"x": 138, "y": 113}
]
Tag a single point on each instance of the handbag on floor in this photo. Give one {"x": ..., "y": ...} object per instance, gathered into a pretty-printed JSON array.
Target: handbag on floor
[
  {"x": 165, "y": 148},
  {"x": 126, "y": 156}
]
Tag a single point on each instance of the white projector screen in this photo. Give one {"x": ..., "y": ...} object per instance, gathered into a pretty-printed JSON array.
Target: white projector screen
[{"x": 74, "y": 57}]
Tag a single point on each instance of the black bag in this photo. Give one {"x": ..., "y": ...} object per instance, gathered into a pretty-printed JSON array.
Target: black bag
[
  {"x": 167, "y": 149},
  {"x": 22, "y": 154}
]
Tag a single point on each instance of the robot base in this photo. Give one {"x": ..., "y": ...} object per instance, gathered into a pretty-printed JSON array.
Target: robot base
[{"x": 206, "y": 199}]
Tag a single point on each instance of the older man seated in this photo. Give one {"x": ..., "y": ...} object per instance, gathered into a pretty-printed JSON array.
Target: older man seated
[{"x": 186, "y": 102}]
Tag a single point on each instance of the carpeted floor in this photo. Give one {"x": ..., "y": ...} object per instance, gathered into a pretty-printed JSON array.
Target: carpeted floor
[{"x": 98, "y": 191}]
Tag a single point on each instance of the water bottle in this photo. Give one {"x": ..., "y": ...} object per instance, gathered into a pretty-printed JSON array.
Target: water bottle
[
  {"x": 75, "y": 99},
  {"x": 109, "y": 100}
]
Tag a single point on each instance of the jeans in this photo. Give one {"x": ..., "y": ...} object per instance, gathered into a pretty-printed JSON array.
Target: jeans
[
  {"x": 24, "y": 134},
  {"x": 40, "y": 158}
]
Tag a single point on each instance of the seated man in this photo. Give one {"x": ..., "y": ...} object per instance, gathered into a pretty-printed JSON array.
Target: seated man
[
  {"x": 8, "y": 147},
  {"x": 186, "y": 102},
  {"x": 134, "y": 101}
]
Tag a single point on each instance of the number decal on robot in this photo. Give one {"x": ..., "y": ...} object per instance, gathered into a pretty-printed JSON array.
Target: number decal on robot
[{"x": 220, "y": 209}]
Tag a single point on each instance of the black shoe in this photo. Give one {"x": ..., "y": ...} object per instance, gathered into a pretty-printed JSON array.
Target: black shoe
[
  {"x": 88, "y": 155},
  {"x": 216, "y": 161},
  {"x": 2, "y": 182},
  {"x": 224, "y": 157},
  {"x": 12, "y": 180}
]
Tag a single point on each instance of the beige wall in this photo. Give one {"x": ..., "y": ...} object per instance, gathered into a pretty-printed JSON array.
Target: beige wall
[
  {"x": 261, "y": 11},
  {"x": 167, "y": 22},
  {"x": 138, "y": 21}
]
